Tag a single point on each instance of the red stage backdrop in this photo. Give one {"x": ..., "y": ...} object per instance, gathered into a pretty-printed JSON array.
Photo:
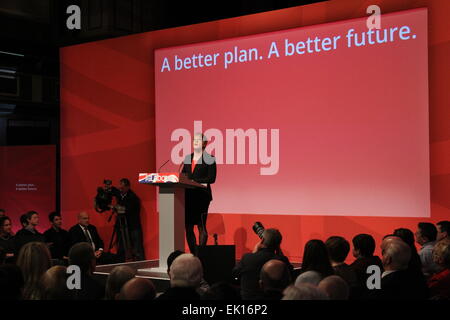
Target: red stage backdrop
[
  {"x": 108, "y": 122},
  {"x": 28, "y": 175}
]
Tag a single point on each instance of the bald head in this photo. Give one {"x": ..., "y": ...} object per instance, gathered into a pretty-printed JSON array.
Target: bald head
[
  {"x": 308, "y": 277},
  {"x": 274, "y": 275},
  {"x": 83, "y": 218},
  {"x": 116, "y": 279},
  {"x": 335, "y": 287},
  {"x": 389, "y": 239},
  {"x": 186, "y": 271},
  {"x": 396, "y": 255},
  {"x": 138, "y": 289},
  {"x": 303, "y": 292}
]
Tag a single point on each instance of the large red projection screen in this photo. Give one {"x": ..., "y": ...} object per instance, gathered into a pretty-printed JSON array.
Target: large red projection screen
[{"x": 329, "y": 119}]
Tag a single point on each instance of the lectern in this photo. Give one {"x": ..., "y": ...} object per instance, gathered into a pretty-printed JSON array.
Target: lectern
[{"x": 172, "y": 187}]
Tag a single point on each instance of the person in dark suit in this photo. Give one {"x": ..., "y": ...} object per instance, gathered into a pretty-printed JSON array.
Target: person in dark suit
[
  {"x": 57, "y": 238},
  {"x": 248, "y": 269},
  {"x": 397, "y": 282},
  {"x": 28, "y": 233},
  {"x": 85, "y": 232},
  {"x": 200, "y": 167}
]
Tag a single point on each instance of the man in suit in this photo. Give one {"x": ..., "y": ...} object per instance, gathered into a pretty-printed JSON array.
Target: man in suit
[
  {"x": 83, "y": 231},
  {"x": 397, "y": 282},
  {"x": 249, "y": 267},
  {"x": 200, "y": 167}
]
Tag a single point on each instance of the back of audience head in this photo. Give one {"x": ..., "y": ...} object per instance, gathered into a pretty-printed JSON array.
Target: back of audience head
[
  {"x": 54, "y": 284},
  {"x": 441, "y": 253},
  {"x": 363, "y": 245},
  {"x": 82, "y": 255},
  {"x": 272, "y": 239},
  {"x": 304, "y": 292},
  {"x": 335, "y": 287},
  {"x": 396, "y": 255},
  {"x": 309, "y": 277},
  {"x": 443, "y": 230},
  {"x": 426, "y": 232},
  {"x": 116, "y": 279},
  {"x": 137, "y": 289},
  {"x": 5, "y": 226},
  {"x": 315, "y": 258},
  {"x": 11, "y": 282},
  {"x": 34, "y": 260},
  {"x": 172, "y": 257},
  {"x": 186, "y": 271},
  {"x": 274, "y": 276},
  {"x": 406, "y": 235},
  {"x": 221, "y": 291},
  {"x": 338, "y": 249}
]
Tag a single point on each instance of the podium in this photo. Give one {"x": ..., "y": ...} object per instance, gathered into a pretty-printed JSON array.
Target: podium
[{"x": 171, "y": 193}]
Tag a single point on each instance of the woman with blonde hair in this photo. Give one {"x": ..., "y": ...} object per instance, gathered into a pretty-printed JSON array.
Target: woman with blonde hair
[{"x": 34, "y": 260}]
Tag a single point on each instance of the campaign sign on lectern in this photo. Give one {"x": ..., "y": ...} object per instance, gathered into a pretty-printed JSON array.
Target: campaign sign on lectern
[{"x": 171, "y": 213}]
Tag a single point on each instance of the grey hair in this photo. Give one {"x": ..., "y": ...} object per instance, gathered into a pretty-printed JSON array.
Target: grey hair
[{"x": 186, "y": 271}]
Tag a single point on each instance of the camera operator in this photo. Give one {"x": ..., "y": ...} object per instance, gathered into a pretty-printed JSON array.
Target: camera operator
[
  {"x": 249, "y": 267},
  {"x": 132, "y": 204}
]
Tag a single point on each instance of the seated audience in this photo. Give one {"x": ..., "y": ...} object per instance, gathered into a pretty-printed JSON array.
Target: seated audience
[
  {"x": 439, "y": 283},
  {"x": 7, "y": 239},
  {"x": 408, "y": 237},
  {"x": 54, "y": 284},
  {"x": 28, "y": 233},
  {"x": 11, "y": 282},
  {"x": 82, "y": 254},
  {"x": 222, "y": 291},
  {"x": 397, "y": 282},
  {"x": 116, "y": 279},
  {"x": 426, "y": 236},
  {"x": 57, "y": 238},
  {"x": 363, "y": 249},
  {"x": 83, "y": 231},
  {"x": 309, "y": 277},
  {"x": 304, "y": 292},
  {"x": 137, "y": 289},
  {"x": 443, "y": 230},
  {"x": 249, "y": 267},
  {"x": 34, "y": 260},
  {"x": 274, "y": 278},
  {"x": 315, "y": 258},
  {"x": 338, "y": 249},
  {"x": 186, "y": 272},
  {"x": 335, "y": 288}
]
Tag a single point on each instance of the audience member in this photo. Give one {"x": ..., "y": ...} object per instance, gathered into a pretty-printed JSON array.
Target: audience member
[
  {"x": 186, "y": 273},
  {"x": 408, "y": 237},
  {"x": 335, "y": 288},
  {"x": 116, "y": 279},
  {"x": 439, "y": 283},
  {"x": 34, "y": 260},
  {"x": 83, "y": 231},
  {"x": 137, "y": 289},
  {"x": 338, "y": 249},
  {"x": 82, "y": 254},
  {"x": 315, "y": 258},
  {"x": 11, "y": 282},
  {"x": 426, "y": 236},
  {"x": 54, "y": 284},
  {"x": 57, "y": 238},
  {"x": 363, "y": 249},
  {"x": 309, "y": 277},
  {"x": 304, "y": 292},
  {"x": 249, "y": 267},
  {"x": 28, "y": 233},
  {"x": 7, "y": 238},
  {"x": 274, "y": 278},
  {"x": 397, "y": 282},
  {"x": 443, "y": 230}
]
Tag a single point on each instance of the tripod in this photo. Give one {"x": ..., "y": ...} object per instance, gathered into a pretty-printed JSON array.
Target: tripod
[{"x": 122, "y": 226}]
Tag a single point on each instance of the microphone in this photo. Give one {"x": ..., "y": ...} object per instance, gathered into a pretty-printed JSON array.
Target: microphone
[{"x": 162, "y": 165}]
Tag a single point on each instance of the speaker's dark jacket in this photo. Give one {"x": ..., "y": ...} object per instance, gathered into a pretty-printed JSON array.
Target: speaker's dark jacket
[
  {"x": 198, "y": 199},
  {"x": 77, "y": 235}
]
